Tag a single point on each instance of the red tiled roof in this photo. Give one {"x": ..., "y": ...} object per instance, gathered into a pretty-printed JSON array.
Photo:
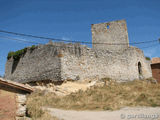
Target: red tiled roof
[{"x": 155, "y": 60}]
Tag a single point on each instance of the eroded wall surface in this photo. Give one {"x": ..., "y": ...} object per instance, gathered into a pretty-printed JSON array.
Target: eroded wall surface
[
  {"x": 43, "y": 63},
  {"x": 60, "y": 61},
  {"x": 78, "y": 62},
  {"x": 8, "y": 105},
  {"x": 110, "y": 33},
  {"x": 12, "y": 103},
  {"x": 90, "y": 64}
]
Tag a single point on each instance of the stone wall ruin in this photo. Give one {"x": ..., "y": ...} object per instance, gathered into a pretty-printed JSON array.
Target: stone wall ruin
[{"x": 61, "y": 61}]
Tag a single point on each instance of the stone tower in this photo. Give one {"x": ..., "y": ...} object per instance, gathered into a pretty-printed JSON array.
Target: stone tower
[{"x": 110, "y": 33}]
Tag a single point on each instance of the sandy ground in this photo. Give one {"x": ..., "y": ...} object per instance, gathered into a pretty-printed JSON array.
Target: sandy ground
[
  {"x": 141, "y": 113},
  {"x": 65, "y": 88}
]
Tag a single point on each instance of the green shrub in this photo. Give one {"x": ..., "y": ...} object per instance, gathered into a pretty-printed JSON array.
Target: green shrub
[
  {"x": 17, "y": 55},
  {"x": 32, "y": 47},
  {"x": 10, "y": 54},
  {"x": 148, "y": 58}
]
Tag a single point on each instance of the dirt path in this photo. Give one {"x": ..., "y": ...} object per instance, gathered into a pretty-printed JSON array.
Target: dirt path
[{"x": 145, "y": 113}]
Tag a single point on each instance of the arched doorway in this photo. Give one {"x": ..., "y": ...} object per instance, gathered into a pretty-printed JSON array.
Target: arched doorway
[{"x": 140, "y": 70}]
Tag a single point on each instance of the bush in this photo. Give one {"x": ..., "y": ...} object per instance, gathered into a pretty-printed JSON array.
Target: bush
[
  {"x": 10, "y": 54},
  {"x": 148, "y": 58},
  {"x": 17, "y": 55},
  {"x": 32, "y": 47}
]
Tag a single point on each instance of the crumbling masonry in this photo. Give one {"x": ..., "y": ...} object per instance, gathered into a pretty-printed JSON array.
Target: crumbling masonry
[{"x": 61, "y": 61}]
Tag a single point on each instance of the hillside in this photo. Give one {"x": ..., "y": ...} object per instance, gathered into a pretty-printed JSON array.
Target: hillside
[{"x": 110, "y": 96}]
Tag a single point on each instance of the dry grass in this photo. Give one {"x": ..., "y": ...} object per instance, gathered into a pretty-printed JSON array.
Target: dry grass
[
  {"x": 46, "y": 116},
  {"x": 34, "y": 110},
  {"x": 108, "y": 97}
]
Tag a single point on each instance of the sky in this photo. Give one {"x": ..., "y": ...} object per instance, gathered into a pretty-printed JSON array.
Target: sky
[{"x": 72, "y": 19}]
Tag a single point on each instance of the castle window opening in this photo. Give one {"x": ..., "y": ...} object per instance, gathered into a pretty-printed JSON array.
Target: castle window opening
[{"x": 139, "y": 68}]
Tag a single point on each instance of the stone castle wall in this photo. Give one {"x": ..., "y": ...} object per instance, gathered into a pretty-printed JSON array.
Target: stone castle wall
[
  {"x": 121, "y": 66},
  {"x": 59, "y": 62},
  {"x": 41, "y": 64}
]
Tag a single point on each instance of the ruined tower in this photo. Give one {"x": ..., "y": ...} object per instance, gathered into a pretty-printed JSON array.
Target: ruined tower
[
  {"x": 61, "y": 61},
  {"x": 112, "y": 36}
]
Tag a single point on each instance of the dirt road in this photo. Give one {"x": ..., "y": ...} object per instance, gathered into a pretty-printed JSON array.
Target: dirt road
[{"x": 141, "y": 113}]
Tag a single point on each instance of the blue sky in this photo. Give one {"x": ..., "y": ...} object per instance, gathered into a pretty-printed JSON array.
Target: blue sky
[{"x": 72, "y": 19}]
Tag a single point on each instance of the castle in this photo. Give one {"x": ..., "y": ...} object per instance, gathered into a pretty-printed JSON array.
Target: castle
[{"x": 111, "y": 56}]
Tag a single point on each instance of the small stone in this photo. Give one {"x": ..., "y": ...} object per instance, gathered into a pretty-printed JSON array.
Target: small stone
[
  {"x": 21, "y": 111},
  {"x": 21, "y": 99}
]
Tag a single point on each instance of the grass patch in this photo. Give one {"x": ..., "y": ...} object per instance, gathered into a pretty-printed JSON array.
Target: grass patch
[
  {"x": 34, "y": 109},
  {"x": 148, "y": 58},
  {"x": 16, "y": 55},
  {"x": 108, "y": 97}
]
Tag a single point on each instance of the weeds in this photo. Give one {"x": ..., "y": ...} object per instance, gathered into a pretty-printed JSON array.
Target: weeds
[
  {"x": 108, "y": 97},
  {"x": 34, "y": 108},
  {"x": 17, "y": 55}
]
